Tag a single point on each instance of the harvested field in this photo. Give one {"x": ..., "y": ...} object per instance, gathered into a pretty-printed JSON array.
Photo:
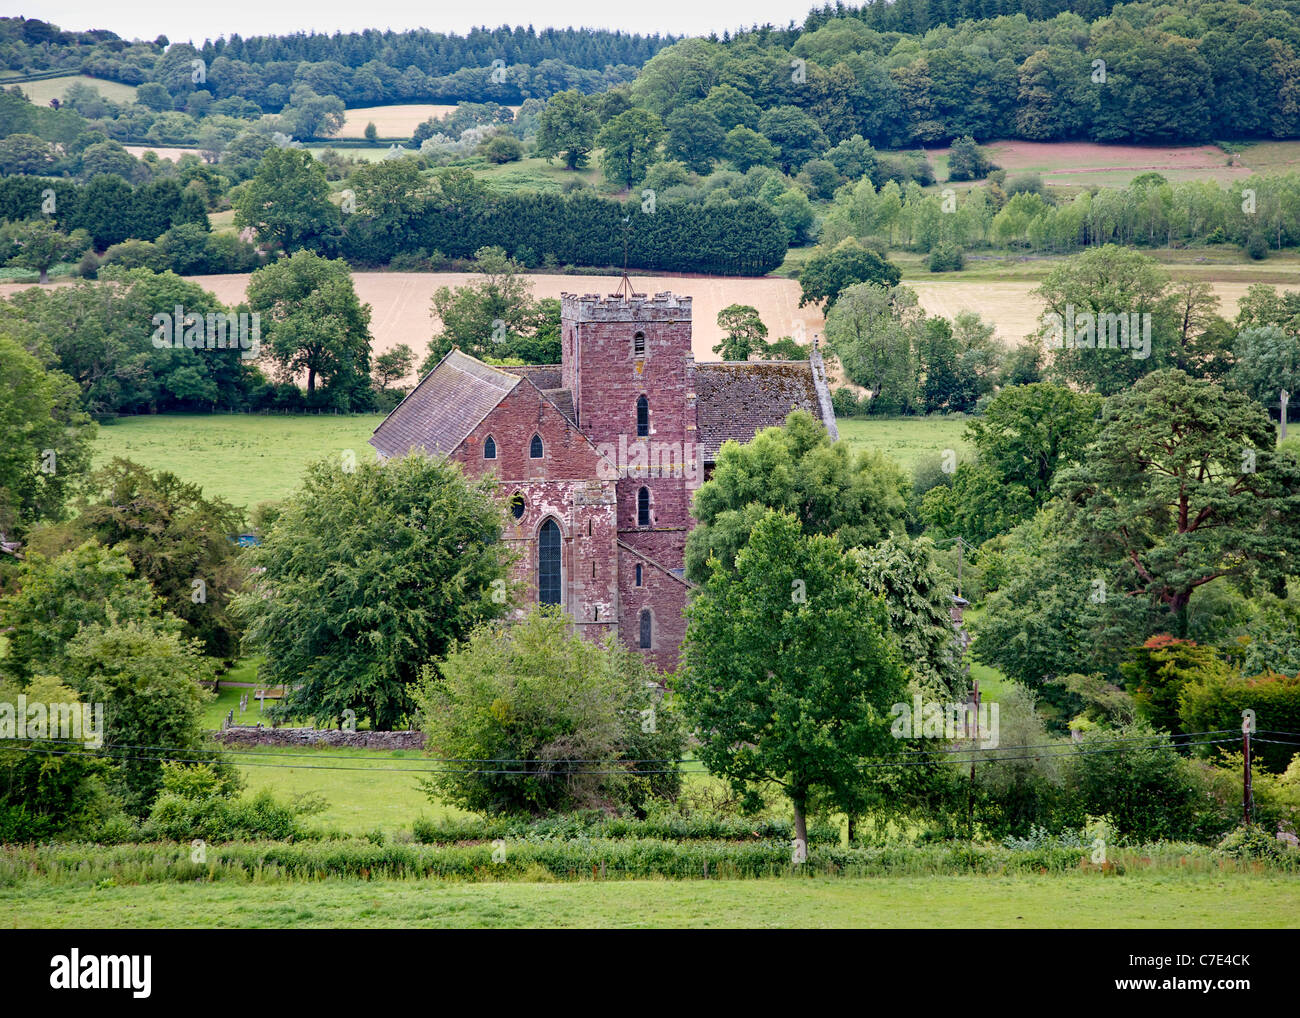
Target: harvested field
[
  {"x": 398, "y": 121},
  {"x": 401, "y": 301}
]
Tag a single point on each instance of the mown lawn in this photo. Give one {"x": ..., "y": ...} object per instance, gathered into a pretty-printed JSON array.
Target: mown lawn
[
  {"x": 244, "y": 458},
  {"x": 1071, "y": 900}
]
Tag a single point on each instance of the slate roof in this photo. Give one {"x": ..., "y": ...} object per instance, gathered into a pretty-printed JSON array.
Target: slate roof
[
  {"x": 445, "y": 407},
  {"x": 737, "y": 399},
  {"x": 544, "y": 376}
]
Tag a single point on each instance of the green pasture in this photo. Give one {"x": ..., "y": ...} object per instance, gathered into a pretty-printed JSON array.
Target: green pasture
[
  {"x": 243, "y": 458},
  {"x": 1145, "y": 900}
]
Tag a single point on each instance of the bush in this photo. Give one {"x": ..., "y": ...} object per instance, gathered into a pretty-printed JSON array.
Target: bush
[
  {"x": 1256, "y": 246},
  {"x": 501, "y": 148},
  {"x": 844, "y": 401},
  {"x": 1143, "y": 785},
  {"x": 559, "y": 713},
  {"x": 947, "y": 258},
  {"x": 198, "y": 802},
  {"x": 1215, "y": 702},
  {"x": 1250, "y": 842}
]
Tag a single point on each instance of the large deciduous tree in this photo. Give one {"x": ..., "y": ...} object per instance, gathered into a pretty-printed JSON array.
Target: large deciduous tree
[
  {"x": 287, "y": 201},
  {"x": 370, "y": 574},
  {"x": 789, "y": 670},
  {"x": 858, "y": 496},
  {"x": 875, "y": 332},
  {"x": 314, "y": 325}
]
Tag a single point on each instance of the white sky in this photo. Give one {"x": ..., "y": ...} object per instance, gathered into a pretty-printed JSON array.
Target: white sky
[{"x": 181, "y": 22}]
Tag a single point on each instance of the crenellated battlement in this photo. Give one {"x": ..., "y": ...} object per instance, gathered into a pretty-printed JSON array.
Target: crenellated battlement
[{"x": 594, "y": 307}]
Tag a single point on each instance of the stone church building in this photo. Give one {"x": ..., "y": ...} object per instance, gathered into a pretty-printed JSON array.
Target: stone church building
[{"x": 597, "y": 457}]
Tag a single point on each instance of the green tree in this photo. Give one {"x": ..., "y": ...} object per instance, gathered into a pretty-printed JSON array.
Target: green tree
[
  {"x": 574, "y": 718},
  {"x": 39, "y": 245},
  {"x": 967, "y": 161},
  {"x": 832, "y": 490},
  {"x": 694, "y": 137},
  {"x": 149, "y": 680},
  {"x": 875, "y": 331},
  {"x": 493, "y": 318},
  {"x": 53, "y": 793},
  {"x": 789, "y": 671},
  {"x": 174, "y": 536},
  {"x": 567, "y": 125},
  {"x": 744, "y": 148},
  {"x": 1267, "y": 360},
  {"x": 314, "y": 325},
  {"x": 629, "y": 142},
  {"x": 56, "y": 597},
  {"x": 1028, "y": 432},
  {"x": 746, "y": 333},
  {"x": 393, "y": 366},
  {"x": 371, "y": 573},
  {"x": 25, "y": 153},
  {"x": 1108, "y": 281},
  {"x": 1182, "y": 486},
  {"x": 918, "y": 600},
  {"x": 287, "y": 201},
  {"x": 47, "y": 443},
  {"x": 830, "y": 273}
]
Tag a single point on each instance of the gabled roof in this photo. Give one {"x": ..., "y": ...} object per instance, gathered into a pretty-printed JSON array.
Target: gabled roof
[
  {"x": 738, "y": 399},
  {"x": 446, "y": 406}
]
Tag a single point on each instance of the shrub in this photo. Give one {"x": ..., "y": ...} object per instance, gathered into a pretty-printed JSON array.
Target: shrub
[
  {"x": 946, "y": 258},
  {"x": 1250, "y": 842},
  {"x": 844, "y": 401},
  {"x": 501, "y": 148},
  {"x": 1215, "y": 702},
  {"x": 556, "y": 714},
  {"x": 1256, "y": 246},
  {"x": 1143, "y": 785}
]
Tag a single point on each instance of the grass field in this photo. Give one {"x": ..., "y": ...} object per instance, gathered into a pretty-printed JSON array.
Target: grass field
[
  {"x": 41, "y": 92},
  {"x": 907, "y": 441},
  {"x": 1221, "y": 901},
  {"x": 244, "y": 458},
  {"x": 252, "y": 458}
]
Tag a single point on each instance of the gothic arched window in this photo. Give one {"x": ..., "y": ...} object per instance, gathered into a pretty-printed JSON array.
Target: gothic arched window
[
  {"x": 489, "y": 448},
  {"x": 642, "y": 417},
  {"x": 643, "y": 507},
  {"x": 549, "y": 581},
  {"x": 646, "y": 629},
  {"x": 535, "y": 450}
]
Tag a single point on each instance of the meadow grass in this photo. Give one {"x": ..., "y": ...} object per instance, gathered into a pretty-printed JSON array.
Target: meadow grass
[
  {"x": 243, "y": 458},
  {"x": 41, "y": 92},
  {"x": 252, "y": 458},
  {"x": 906, "y": 440},
  {"x": 1145, "y": 900}
]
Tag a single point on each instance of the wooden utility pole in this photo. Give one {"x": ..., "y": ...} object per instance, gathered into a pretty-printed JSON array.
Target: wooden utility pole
[
  {"x": 1286, "y": 397},
  {"x": 973, "y": 721},
  {"x": 1247, "y": 720}
]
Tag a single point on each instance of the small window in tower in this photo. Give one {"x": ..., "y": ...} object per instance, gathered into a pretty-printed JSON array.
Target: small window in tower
[
  {"x": 489, "y": 448},
  {"x": 638, "y": 345},
  {"x": 642, "y": 417},
  {"x": 643, "y": 507},
  {"x": 638, "y": 574},
  {"x": 517, "y": 506},
  {"x": 535, "y": 449},
  {"x": 646, "y": 630}
]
